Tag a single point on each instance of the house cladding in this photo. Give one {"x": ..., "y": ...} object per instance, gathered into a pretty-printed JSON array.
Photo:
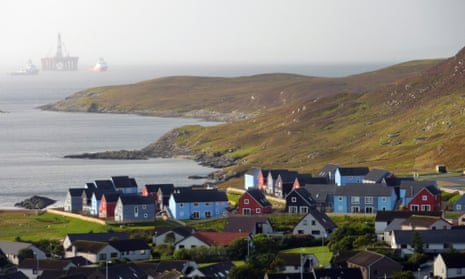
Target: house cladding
[
  {"x": 188, "y": 203},
  {"x": 134, "y": 208},
  {"x": 299, "y": 201},
  {"x": 253, "y": 202}
]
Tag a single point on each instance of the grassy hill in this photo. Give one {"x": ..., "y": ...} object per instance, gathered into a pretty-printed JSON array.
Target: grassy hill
[{"x": 408, "y": 117}]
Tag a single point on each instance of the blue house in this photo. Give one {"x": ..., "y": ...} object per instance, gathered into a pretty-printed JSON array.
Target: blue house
[
  {"x": 251, "y": 178},
  {"x": 73, "y": 200},
  {"x": 187, "y": 203},
  {"x": 95, "y": 200},
  {"x": 350, "y": 175},
  {"x": 125, "y": 184},
  {"x": 329, "y": 172},
  {"x": 130, "y": 208},
  {"x": 459, "y": 205},
  {"x": 364, "y": 198}
]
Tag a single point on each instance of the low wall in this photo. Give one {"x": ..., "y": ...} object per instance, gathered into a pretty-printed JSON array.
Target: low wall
[{"x": 77, "y": 216}]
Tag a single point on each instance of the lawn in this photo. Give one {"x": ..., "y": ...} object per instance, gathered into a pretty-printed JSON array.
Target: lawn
[
  {"x": 28, "y": 225},
  {"x": 322, "y": 253}
]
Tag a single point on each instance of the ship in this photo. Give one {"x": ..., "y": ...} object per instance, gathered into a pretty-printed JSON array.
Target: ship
[
  {"x": 100, "y": 66},
  {"x": 61, "y": 61},
  {"x": 28, "y": 69}
]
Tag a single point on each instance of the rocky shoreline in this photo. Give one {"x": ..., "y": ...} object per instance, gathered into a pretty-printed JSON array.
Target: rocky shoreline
[{"x": 35, "y": 202}]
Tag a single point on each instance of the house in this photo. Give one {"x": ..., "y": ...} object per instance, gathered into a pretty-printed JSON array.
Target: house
[
  {"x": 210, "y": 239},
  {"x": 89, "y": 189},
  {"x": 384, "y": 218},
  {"x": 459, "y": 204},
  {"x": 449, "y": 265},
  {"x": 364, "y": 198},
  {"x": 249, "y": 224},
  {"x": 170, "y": 235},
  {"x": 284, "y": 183},
  {"x": 130, "y": 208},
  {"x": 329, "y": 172},
  {"x": 71, "y": 238},
  {"x": 350, "y": 175},
  {"x": 434, "y": 241},
  {"x": 121, "y": 270},
  {"x": 107, "y": 205},
  {"x": 218, "y": 270},
  {"x": 338, "y": 273},
  {"x": 253, "y": 202},
  {"x": 295, "y": 262},
  {"x": 93, "y": 251},
  {"x": 73, "y": 200},
  {"x": 377, "y": 176},
  {"x": 32, "y": 267},
  {"x": 181, "y": 267},
  {"x": 11, "y": 250},
  {"x": 253, "y": 178},
  {"x": 322, "y": 195},
  {"x": 374, "y": 265},
  {"x": 419, "y": 222},
  {"x": 407, "y": 189},
  {"x": 427, "y": 199},
  {"x": 105, "y": 185},
  {"x": 132, "y": 249},
  {"x": 160, "y": 193},
  {"x": 315, "y": 223},
  {"x": 188, "y": 203},
  {"x": 299, "y": 201},
  {"x": 272, "y": 177},
  {"x": 125, "y": 184}
]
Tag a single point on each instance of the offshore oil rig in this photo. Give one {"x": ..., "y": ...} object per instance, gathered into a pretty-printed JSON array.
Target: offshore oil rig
[{"x": 60, "y": 62}]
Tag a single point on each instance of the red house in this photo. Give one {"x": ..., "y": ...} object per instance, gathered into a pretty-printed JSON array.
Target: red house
[
  {"x": 427, "y": 199},
  {"x": 253, "y": 202},
  {"x": 107, "y": 205}
]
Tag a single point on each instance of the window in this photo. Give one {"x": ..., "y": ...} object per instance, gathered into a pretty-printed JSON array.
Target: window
[
  {"x": 114, "y": 255},
  {"x": 294, "y": 199},
  {"x": 369, "y": 200},
  {"x": 136, "y": 211},
  {"x": 425, "y": 207},
  {"x": 300, "y": 231},
  {"x": 424, "y": 198},
  {"x": 305, "y": 222},
  {"x": 246, "y": 201},
  {"x": 207, "y": 204},
  {"x": 304, "y": 209},
  {"x": 355, "y": 209},
  {"x": 144, "y": 206},
  {"x": 146, "y": 215},
  {"x": 196, "y": 204},
  {"x": 246, "y": 211},
  {"x": 258, "y": 210},
  {"x": 458, "y": 207},
  {"x": 315, "y": 232},
  {"x": 339, "y": 198},
  {"x": 383, "y": 199},
  {"x": 292, "y": 209},
  {"x": 102, "y": 257},
  {"x": 369, "y": 210},
  {"x": 355, "y": 199},
  {"x": 208, "y": 214},
  {"x": 181, "y": 205},
  {"x": 195, "y": 215},
  {"x": 313, "y": 222},
  {"x": 414, "y": 207}
]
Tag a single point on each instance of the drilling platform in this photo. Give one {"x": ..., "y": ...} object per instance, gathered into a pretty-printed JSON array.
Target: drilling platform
[{"x": 60, "y": 62}]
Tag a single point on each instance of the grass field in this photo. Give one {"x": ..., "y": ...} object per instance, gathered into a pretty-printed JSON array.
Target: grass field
[
  {"x": 322, "y": 253},
  {"x": 28, "y": 225}
]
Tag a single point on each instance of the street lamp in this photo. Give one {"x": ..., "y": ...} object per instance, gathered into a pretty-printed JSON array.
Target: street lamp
[{"x": 106, "y": 269}]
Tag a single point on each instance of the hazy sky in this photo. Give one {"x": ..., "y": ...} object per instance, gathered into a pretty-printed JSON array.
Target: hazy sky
[{"x": 236, "y": 31}]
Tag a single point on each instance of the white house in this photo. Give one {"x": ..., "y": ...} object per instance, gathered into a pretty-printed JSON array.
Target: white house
[
  {"x": 434, "y": 241},
  {"x": 93, "y": 251},
  {"x": 315, "y": 223},
  {"x": 450, "y": 265}
]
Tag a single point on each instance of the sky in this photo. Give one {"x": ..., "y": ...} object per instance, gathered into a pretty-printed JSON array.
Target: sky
[{"x": 232, "y": 32}]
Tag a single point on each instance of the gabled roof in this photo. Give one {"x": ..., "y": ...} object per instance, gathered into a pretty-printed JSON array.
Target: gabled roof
[
  {"x": 243, "y": 223},
  {"x": 360, "y": 189},
  {"x": 123, "y": 182},
  {"x": 218, "y": 238},
  {"x": 76, "y": 192},
  {"x": 30, "y": 263},
  {"x": 431, "y": 236},
  {"x": 12, "y": 247},
  {"x": 183, "y": 231},
  {"x": 106, "y": 236},
  {"x": 354, "y": 171},
  {"x": 275, "y": 173},
  {"x": 303, "y": 194},
  {"x": 322, "y": 218},
  {"x": 90, "y": 186},
  {"x": 152, "y": 188},
  {"x": 111, "y": 197},
  {"x": 387, "y": 216},
  {"x": 288, "y": 176},
  {"x": 217, "y": 270},
  {"x": 460, "y": 200},
  {"x": 454, "y": 260},
  {"x": 368, "y": 258},
  {"x": 125, "y": 270},
  {"x": 258, "y": 196},
  {"x": 421, "y": 221},
  {"x": 125, "y": 245},
  {"x": 89, "y": 246},
  {"x": 316, "y": 180},
  {"x": 327, "y": 169},
  {"x": 305, "y": 178},
  {"x": 99, "y": 193},
  {"x": 376, "y": 175},
  {"x": 189, "y": 195},
  {"x": 167, "y": 265},
  {"x": 319, "y": 192},
  {"x": 413, "y": 187},
  {"x": 105, "y": 185},
  {"x": 136, "y": 200}
]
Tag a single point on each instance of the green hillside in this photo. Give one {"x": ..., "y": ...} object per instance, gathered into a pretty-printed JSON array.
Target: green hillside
[{"x": 406, "y": 118}]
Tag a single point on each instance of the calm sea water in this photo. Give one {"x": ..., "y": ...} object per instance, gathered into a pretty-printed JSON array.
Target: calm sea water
[{"x": 33, "y": 142}]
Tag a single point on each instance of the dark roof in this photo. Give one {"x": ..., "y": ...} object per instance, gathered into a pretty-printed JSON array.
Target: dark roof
[
  {"x": 14, "y": 275},
  {"x": 258, "y": 196},
  {"x": 296, "y": 275},
  {"x": 76, "y": 192},
  {"x": 105, "y": 185},
  {"x": 30, "y": 263},
  {"x": 244, "y": 223},
  {"x": 322, "y": 218},
  {"x": 152, "y": 188},
  {"x": 387, "y": 216},
  {"x": 288, "y": 176},
  {"x": 360, "y": 189},
  {"x": 327, "y": 169},
  {"x": 89, "y": 246},
  {"x": 184, "y": 231},
  {"x": 111, "y": 197},
  {"x": 184, "y": 194},
  {"x": 317, "y": 180},
  {"x": 97, "y": 236},
  {"x": 413, "y": 187},
  {"x": 99, "y": 193},
  {"x": 275, "y": 173},
  {"x": 217, "y": 270},
  {"x": 377, "y": 175},
  {"x": 124, "y": 245},
  {"x": 171, "y": 265},
  {"x": 136, "y": 199},
  {"x": 90, "y": 186},
  {"x": 304, "y": 178},
  {"x": 123, "y": 182},
  {"x": 431, "y": 236},
  {"x": 78, "y": 260},
  {"x": 454, "y": 260},
  {"x": 319, "y": 192},
  {"x": 367, "y": 258},
  {"x": 339, "y": 273},
  {"x": 125, "y": 270},
  {"x": 304, "y": 194},
  {"x": 353, "y": 171}
]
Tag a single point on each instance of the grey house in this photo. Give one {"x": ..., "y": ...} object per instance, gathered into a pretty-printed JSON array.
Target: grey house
[
  {"x": 134, "y": 208},
  {"x": 73, "y": 200}
]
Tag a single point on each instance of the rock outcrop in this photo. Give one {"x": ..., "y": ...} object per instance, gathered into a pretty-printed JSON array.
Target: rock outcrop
[{"x": 35, "y": 202}]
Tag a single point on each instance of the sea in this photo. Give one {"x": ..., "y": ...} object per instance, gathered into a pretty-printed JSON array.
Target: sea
[{"x": 33, "y": 142}]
